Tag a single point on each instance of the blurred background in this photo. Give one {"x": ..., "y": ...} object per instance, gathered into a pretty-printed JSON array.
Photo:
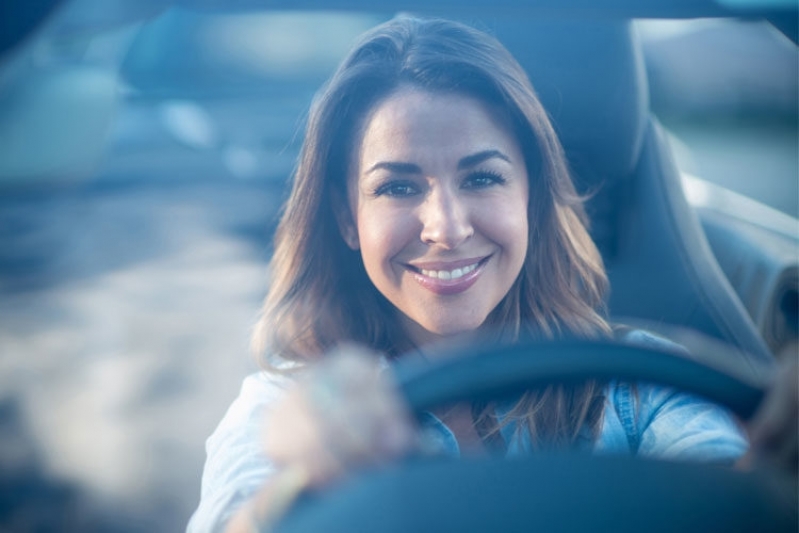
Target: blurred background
[{"x": 144, "y": 154}]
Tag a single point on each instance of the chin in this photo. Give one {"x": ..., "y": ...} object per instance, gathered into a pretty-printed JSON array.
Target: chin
[
  {"x": 454, "y": 330},
  {"x": 431, "y": 329}
]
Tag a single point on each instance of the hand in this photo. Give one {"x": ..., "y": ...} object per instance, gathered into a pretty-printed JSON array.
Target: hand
[
  {"x": 343, "y": 414},
  {"x": 774, "y": 430}
]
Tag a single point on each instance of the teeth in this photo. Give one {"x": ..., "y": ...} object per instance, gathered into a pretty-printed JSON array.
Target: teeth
[{"x": 449, "y": 274}]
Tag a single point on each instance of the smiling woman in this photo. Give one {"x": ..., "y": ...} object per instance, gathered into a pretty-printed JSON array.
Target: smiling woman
[
  {"x": 144, "y": 148},
  {"x": 431, "y": 203},
  {"x": 437, "y": 205},
  {"x": 394, "y": 98}
]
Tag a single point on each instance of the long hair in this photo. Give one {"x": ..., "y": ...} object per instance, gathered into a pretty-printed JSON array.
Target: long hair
[{"x": 319, "y": 292}]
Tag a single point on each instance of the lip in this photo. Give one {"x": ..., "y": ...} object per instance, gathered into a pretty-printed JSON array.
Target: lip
[{"x": 449, "y": 286}]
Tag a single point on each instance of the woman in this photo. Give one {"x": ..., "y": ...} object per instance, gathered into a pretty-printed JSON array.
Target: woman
[{"x": 431, "y": 203}]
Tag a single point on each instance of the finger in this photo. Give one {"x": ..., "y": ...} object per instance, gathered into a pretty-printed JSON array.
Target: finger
[
  {"x": 294, "y": 439},
  {"x": 341, "y": 403},
  {"x": 376, "y": 429},
  {"x": 779, "y": 411},
  {"x": 345, "y": 413},
  {"x": 357, "y": 399}
]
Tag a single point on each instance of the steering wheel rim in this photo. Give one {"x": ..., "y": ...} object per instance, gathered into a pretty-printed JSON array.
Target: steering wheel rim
[
  {"x": 488, "y": 372},
  {"x": 571, "y": 492}
]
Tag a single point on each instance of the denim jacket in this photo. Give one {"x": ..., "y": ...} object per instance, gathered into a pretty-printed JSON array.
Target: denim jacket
[{"x": 644, "y": 420}]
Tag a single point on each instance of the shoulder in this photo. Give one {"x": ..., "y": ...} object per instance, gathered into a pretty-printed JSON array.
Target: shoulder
[
  {"x": 652, "y": 398},
  {"x": 235, "y": 465},
  {"x": 244, "y": 417},
  {"x": 664, "y": 422},
  {"x": 258, "y": 392},
  {"x": 632, "y": 402},
  {"x": 647, "y": 339}
]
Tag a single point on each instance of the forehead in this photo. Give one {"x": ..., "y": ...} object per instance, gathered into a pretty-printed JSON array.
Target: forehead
[{"x": 413, "y": 122}]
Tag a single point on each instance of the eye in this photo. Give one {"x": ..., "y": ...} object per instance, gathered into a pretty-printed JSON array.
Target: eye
[
  {"x": 482, "y": 179},
  {"x": 397, "y": 189}
]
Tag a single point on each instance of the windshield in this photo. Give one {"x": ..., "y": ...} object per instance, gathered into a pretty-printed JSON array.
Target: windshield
[{"x": 142, "y": 168}]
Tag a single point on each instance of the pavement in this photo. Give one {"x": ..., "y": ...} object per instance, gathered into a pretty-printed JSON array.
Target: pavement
[{"x": 125, "y": 315}]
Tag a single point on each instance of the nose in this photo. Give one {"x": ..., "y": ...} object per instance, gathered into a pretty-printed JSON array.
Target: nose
[{"x": 446, "y": 220}]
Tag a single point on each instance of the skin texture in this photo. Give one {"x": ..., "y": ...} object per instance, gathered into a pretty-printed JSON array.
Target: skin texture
[{"x": 438, "y": 183}]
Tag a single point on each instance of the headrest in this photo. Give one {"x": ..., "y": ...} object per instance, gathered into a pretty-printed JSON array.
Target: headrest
[{"x": 590, "y": 76}]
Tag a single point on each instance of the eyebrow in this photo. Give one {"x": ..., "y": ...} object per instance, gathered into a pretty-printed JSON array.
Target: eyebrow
[
  {"x": 475, "y": 159},
  {"x": 466, "y": 162},
  {"x": 397, "y": 168}
]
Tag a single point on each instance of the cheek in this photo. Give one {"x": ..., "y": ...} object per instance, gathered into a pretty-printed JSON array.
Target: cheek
[
  {"x": 518, "y": 221},
  {"x": 516, "y": 240},
  {"x": 383, "y": 234},
  {"x": 506, "y": 224}
]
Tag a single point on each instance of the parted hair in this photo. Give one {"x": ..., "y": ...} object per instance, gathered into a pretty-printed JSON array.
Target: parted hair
[{"x": 319, "y": 293}]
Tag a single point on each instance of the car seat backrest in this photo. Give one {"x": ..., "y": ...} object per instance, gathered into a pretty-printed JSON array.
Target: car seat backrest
[{"x": 591, "y": 78}]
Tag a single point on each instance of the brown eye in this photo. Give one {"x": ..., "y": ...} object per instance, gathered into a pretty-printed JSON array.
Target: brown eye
[
  {"x": 482, "y": 179},
  {"x": 397, "y": 189}
]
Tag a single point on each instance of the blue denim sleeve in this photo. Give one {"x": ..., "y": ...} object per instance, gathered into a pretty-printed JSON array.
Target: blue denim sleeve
[
  {"x": 675, "y": 425},
  {"x": 235, "y": 466}
]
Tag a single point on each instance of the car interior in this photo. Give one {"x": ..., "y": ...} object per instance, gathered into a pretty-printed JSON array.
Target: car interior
[
  {"x": 664, "y": 266},
  {"x": 678, "y": 251},
  {"x": 591, "y": 78},
  {"x": 720, "y": 270}
]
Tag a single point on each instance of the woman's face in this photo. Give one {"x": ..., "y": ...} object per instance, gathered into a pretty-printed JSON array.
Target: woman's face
[{"x": 438, "y": 195}]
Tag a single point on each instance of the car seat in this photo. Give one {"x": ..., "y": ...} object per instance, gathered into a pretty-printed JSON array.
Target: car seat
[{"x": 590, "y": 77}]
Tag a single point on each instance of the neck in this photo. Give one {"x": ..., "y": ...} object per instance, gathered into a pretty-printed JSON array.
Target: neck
[
  {"x": 431, "y": 344},
  {"x": 459, "y": 420}
]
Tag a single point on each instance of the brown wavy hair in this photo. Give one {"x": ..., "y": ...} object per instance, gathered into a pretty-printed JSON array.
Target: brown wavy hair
[{"x": 320, "y": 294}]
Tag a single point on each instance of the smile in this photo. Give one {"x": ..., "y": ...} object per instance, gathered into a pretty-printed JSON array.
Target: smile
[
  {"x": 449, "y": 274},
  {"x": 441, "y": 280}
]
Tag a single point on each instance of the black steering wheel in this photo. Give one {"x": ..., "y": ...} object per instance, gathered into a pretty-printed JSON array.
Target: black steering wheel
[{"x": 548, "y": 492}]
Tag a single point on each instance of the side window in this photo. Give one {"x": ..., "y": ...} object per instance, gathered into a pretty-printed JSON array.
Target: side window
[{"x": 727, "y": 92}]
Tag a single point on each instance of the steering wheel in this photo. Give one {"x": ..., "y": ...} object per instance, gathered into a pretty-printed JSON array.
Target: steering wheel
[{"x": 561, "y": 492}]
